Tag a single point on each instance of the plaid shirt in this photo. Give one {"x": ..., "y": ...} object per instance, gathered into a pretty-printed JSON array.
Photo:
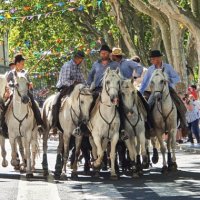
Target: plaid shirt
[
  {"x": 70, "y": 73},
  {"x": 10, "y": 75}
]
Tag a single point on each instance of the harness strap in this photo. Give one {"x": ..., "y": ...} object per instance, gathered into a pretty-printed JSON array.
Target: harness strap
[
  {"x": 108, "y": 123},
  {"x": 134, "y": 126},
  {"x": 71, "y": 109},
  {"x": 20, "y": 121}
]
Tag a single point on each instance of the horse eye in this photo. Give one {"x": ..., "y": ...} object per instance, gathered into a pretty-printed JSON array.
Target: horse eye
[
  {"x": 162, "y": 81},
  {"x": 82, "y": 102},
  {"x": 133, "y": 93},
  {"x": 108, "y": 82},
  {"x": 152, "y": 82}
]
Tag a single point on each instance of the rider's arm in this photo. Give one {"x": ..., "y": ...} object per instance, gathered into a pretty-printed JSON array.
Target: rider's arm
[
  {"x": 91, "y": 75},
  {"x": 145, "y": 81},
  {"x": 136, "y": 67},
  {"x": 174, "y": 78}
]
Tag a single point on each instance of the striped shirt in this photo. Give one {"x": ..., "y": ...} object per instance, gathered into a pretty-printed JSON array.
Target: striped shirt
[{"x": 70, "y": 73}]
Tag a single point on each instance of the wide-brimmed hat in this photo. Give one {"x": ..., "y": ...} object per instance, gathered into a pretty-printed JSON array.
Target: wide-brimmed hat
[
  {"x": 19, "y": 58},
  {"x": 105, "y": 47},
  {"x": 117, "y": 51},
  {"x": 155, "y": 53}
]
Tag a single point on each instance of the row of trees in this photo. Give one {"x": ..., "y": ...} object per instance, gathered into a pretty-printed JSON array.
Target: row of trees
[{"x": 135, "y": 25}]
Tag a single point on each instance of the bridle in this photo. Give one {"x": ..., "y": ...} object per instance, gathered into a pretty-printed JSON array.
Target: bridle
[
  {"x": 133, "y": 126},
  {"x": 25, "y": 117},
  {"x": 100, "y": 113},
  {"x": 79, "y": 116},
  {"x": 161, "y": 104}
]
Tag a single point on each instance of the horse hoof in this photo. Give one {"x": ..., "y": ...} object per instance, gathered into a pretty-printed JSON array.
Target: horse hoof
[
  {"x": 114, "y": 177},
  {"x": 29, "y": 175},
  {"x": 74, "y": 175},
  {"x": 164, "y": 170},
  {"x": 63, "y": 177},
  {"x": 145, "y": 165},
  {"x": 22, "y": 169},
  {"x": 154, "y": 159},
  {"x": 45, "y": 173},
  {"x": 135, "y": 175},
  {"x": 5, "y": 163},
  {"x": 173, "y": 167},
  {"x": 96, "y": 175}
]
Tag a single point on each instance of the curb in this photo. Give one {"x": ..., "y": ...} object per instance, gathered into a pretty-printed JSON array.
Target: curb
[{"x": 191, "y": 149}]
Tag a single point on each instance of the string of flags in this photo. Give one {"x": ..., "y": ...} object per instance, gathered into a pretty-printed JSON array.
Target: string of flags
[
  {"x": 37, "y": 6},
  {"x": 8, "y": 15}
]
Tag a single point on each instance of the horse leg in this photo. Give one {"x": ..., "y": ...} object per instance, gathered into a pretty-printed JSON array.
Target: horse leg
[
  {"x": 14, "y": 161},
  {"x": 173, "y": 145},
  {"x": 147, "y": 142},
  {"x": 163, "y": 151},
  {"x": 3, "y": 152},
  {"x": 142, "y": 140},
  {"x": 59, "y": 164},
  {"x": 155, "y": 151},
  {"x": 45, "y": 147},
  {"x": 112, "y": 155},
  {"x": 132, "y": 154},
  {"x": 100, "y": 152},
  {"x": 94, "y": 148},
  {"x": 29, "y": 173},
  {"x": 66, "y": 140},
  {"x": 78, "y": 141}
]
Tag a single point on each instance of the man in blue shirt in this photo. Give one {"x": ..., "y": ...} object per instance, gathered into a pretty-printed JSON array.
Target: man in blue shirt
[
  {"x": 127, "y": 67},
  {"x": 100, "y": 66},
  {"x": 157, "y": 63},
  {"x": 69, "y": 76}
]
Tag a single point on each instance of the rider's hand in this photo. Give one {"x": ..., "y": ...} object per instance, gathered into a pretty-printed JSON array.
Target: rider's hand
[
  {"x": 30, "y": 86},
  {"x": 7, "y": 93}
]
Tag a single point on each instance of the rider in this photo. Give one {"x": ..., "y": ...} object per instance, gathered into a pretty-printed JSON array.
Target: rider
[
  {"x": 128, "y": 68},
  {"x": 157, "y": 63},
  {"x": 19, "y": 67},
  {"x": 69, "y": 76}
]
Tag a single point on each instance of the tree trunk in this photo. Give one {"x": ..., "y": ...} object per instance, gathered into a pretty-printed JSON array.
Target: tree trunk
[
  {"x": 156, "y": 35},
  {"x": 161, "y": 19},
  {"x": 179, "y": 63},
  {"x": 171, "y": 9},
  {"x": 116, "y": 8}
]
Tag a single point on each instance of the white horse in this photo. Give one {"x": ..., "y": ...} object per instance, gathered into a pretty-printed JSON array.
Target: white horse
[
  {"x": 21, "y": 122},
  {"x": 164, "y": 116},
  {"x": 134, "y": 126},
  {"x": 3, "y": 83},
  {"x": 74, "y": 111},
  {"x": 104, "y": 122}
]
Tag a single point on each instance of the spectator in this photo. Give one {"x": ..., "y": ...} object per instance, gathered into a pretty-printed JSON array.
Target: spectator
[
  {"x": 192, "y": 117},
  {"x": 192, "y": 90}
]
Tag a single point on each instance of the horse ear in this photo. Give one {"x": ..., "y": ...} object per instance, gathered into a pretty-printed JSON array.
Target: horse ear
[
  {"x": 132, "y": 80},
  {"x": 108, "y": 69},
  {"x": 118, "y": 71}
]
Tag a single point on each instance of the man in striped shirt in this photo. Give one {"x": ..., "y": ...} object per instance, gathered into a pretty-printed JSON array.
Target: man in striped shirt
[{"x": 69, "y": 76}]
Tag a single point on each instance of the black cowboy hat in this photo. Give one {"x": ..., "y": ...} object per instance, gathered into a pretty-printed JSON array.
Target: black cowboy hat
[
  {"x": 155, "y": 53},
  {"x": 105, "y": 47},
  {"x": 19, "y": 58},
  {"x": 79, "y": 54}
]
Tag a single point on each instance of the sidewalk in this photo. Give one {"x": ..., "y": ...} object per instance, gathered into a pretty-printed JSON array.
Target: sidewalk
[{"x": 188, "y": 147}]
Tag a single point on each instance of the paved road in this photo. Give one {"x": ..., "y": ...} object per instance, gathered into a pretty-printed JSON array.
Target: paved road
[{"x": 185, "y": 184}]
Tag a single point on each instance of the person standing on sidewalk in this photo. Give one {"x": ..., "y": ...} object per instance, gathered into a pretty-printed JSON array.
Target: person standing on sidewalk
[{"x": 192, "y": 118}]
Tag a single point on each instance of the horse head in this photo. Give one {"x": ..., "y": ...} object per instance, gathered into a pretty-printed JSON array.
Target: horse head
[
  {"x": 82, "y": 99},
  {"x": 21, "y": 86},
  {"x": 111, "y": 85},
  {"x": 128, "y": 95},
  {"x": 158, "y": 83},
  {"x": 3, "y": 83}
]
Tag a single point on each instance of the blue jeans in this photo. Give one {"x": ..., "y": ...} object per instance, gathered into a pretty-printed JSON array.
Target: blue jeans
[{"x": 194, "y": 127}]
